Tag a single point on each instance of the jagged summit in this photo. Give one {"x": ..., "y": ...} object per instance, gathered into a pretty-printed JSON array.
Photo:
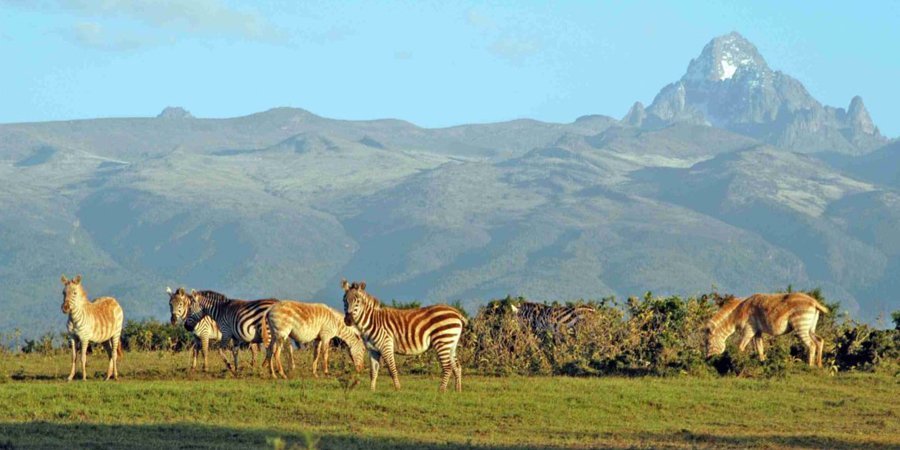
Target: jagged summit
[
  {"x": 730, "y": 85},
  {"x": 859, "y": 118},
  {"x": 722, "y": 57}
]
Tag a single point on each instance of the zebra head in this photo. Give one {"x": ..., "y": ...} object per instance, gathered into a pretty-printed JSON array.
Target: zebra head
[
  {"x": 713, "y": 343},
  {"x": 355, "y": 300},
  {"x": 194, "y": 309},
  {"x": 178, "y": 304},
  {"x": 720, "y": 327},
  {"x": 73, "y": 293}
]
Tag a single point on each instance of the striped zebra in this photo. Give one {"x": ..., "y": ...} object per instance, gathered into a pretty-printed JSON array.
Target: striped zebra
[
  {"x": 541, "y": 318},
  {"x": 772, "y": 314},
  {"x": 307, "y": 322},
  {"x": 204, "y": 330},
  {"x": 240, "y": 321},
  {"x": 388, "y": 331},
  {"x": 97, "y": 321}
]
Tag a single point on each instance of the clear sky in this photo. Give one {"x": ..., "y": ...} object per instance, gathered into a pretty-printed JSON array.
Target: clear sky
[{"x": 432, "y": 63}]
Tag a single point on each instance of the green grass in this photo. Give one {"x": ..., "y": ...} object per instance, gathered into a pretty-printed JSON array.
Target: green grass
[{"x": 156, "y": 405}]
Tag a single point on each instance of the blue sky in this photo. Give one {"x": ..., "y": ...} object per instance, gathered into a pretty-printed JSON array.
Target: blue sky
[{"x": 432, "y": 63}]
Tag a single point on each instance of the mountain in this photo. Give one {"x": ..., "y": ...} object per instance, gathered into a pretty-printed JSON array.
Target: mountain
[
  {"x": 709, "y": 187},
  {"x": 729, "y": 85}
]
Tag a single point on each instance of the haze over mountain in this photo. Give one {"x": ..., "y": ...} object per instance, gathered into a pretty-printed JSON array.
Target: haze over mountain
[{"x": 734, "y": 177}]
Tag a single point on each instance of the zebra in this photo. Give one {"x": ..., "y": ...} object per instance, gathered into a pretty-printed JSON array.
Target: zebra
[
  {"x": 307, "y": 322},
  {"x": 387, "y": 331},
  {"x": 772, "y": 314},
  {"x": 204, "y": 330},
  {"x": 542, "y": 318},
  {"x": 240, "y": 321},
  {"x": 97, "y": 321}
]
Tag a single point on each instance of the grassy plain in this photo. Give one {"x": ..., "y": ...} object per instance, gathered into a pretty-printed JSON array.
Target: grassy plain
[{"x": 157, "y": 405}]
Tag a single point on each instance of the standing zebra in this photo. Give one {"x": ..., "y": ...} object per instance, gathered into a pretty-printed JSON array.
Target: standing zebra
[
  {"x": 307, "y": 322},
  {"x": 204, "y": 330},
  {"x": 772, "y": 314},
  {"x": 542, "y": 318},
  {"x": 387, "y": 331},
  {"x": 97, "y": 321},
  {"x": 240, "y": 321}
]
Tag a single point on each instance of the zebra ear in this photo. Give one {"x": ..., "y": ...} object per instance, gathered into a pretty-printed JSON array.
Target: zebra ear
[
  {"x": 64, "y": 279},
  {"x": 362, "y": 285},
  {"x": 168, "y": 290},
  {"x": 344, "y": 285},
  {"x": 77, "y": 279}
]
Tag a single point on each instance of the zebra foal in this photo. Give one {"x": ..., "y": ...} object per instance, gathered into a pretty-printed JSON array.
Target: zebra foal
[
  {"x": 203, "y": 330},
  {"x": 98, "y": 321},
  {"x": 240, "y": 321},
  {"x": 389, "y": 331}
]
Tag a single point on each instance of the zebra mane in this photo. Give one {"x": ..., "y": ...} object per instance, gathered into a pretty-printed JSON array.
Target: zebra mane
[
  {"x": 213, "y": 296},
  {"x": 722, "y": 316}
]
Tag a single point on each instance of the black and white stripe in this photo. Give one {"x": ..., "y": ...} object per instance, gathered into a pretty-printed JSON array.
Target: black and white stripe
[
  {"x": 388, "y": 331},
  {"x": 239, "y": 321},
  {"x": 541, "y": 318}
]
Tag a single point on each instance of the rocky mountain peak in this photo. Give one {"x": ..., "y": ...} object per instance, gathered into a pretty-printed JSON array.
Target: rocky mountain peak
[
  {"x": 730, "y": 86},
  {"x": 858, "y": 117},
  {"x": 636, "y": 115},
  {"x": 722, "y": 57}
]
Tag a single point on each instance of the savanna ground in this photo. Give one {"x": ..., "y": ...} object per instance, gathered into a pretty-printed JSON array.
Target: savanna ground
[{"x": 157, "y": 404}]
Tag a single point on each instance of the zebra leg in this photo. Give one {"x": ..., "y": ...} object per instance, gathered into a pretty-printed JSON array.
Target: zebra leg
[
  {"x": 374, "y": 358},
  {"x": 109, "y": 352},
  {"x": 195, "y": 349},
  {"x": 457, "y": 369},
  {"x": 253, "y": 349},
  {"x": 317, "y": 353},
  {"x": 117, "y": 341},
  {"x": 204, "y": 348},
  {"x": 74, "y": 359},
  {"x": 746, "y": 336},
  {"x": 387, "y": 356},
  {"x": 820, "y": 346},
  {"x": 113, "y": 371},
  {"x": 235, "y": 347},
  {"x": 760, "y": 350},
  {"x": 279, "y": 347},
  {"x": 290, "y": 346},
  {"x": 221, "y": 346},
  {"x": 447, "y": 366},
  {"x": 84, "y": 346},
  {"x": 810, "y": 344},
  {"x": 326, "y": 344}
]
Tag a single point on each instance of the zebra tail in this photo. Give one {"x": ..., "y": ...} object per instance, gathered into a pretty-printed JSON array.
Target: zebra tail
[{"x": 821, "y": 307}]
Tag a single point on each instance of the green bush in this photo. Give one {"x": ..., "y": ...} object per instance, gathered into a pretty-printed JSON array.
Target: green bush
[
  {"x": 658, "y": 336},
  {"x": 152, "y": 335}
]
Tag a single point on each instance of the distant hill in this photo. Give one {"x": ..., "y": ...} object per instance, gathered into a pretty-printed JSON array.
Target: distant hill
[{"x": 733, "y": 178}]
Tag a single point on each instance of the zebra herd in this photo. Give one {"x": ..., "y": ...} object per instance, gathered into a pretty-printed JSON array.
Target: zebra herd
[{"x": 369, "y": 327}]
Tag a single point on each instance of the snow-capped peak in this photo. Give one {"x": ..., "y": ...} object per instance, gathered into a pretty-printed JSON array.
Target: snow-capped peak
[{"x": 722, "y": 57}]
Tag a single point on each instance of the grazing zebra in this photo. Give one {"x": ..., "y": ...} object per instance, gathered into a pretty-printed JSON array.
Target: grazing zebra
[
  {"x": 204, "y": 330},
  {"x": 307, "y": 322},
  {"x": 772, "y": 314},
  {"x": 240, "y": 321},
  {"x": 97, "y": 321},
  {"x": 387, "y": 331},
  {"x": 542, "y": 318}
]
